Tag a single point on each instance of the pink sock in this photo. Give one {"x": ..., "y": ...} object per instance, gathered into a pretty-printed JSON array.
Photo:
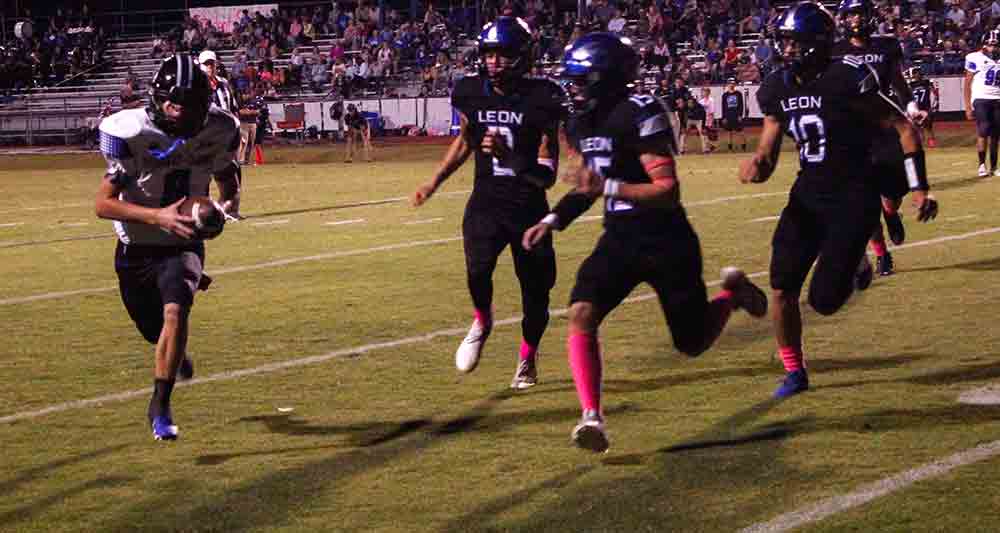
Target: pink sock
[
  {"x": 878, "y": 247},
  {"x": 484, "y": 317},
  {"x": 792, "y": 357},
  {"x": 585, "y": 362},
  {"x": 527, "y": 351}
]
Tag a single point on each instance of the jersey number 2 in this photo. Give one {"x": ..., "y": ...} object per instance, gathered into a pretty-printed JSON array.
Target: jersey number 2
[
  {"x": 810, "y": 135},
  {"x": 508, "y": 135}
]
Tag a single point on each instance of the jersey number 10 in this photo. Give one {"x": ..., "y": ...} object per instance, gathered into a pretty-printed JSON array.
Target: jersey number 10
[{"x": 810, "y": 135}]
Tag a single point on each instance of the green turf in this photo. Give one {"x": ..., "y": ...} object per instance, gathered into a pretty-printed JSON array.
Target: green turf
[{"x": 393, "y": 439}]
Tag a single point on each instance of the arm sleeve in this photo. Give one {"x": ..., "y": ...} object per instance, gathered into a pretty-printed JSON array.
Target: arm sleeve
[
  {"x": 970, "y": 64},
  {"x": 571, "y": 206},
  {"x": 122, "y": 166}
]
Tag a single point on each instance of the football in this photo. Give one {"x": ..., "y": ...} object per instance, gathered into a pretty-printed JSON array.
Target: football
[{"x": 209, "y": 220}]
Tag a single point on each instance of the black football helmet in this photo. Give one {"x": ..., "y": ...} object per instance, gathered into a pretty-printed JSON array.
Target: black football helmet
[
  {"x": 598, "y": 67},
  {"x": 913, "y": 75},
  {"x": 812, "y": 28},
  {"x": 857, "y": 18},
  {"x": 511, "y": 37},
  {"x": 180, "y": 81}
]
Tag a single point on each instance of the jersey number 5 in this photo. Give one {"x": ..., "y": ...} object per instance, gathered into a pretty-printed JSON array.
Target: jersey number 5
[
  {"x": 508, "y": 135},
  {"x": 810, "y": 135},
  {"x": 600, "y": 165}
]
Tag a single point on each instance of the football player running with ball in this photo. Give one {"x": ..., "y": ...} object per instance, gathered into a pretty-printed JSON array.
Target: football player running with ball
[
  {"x": 510, "y": 121},
  {"x": 158, "y": 156},
  {"x": 833, "y": 110},
  {"x": 627, "y": 148}
]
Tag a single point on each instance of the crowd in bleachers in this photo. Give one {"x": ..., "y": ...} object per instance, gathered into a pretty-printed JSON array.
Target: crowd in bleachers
[
  {"x": 59, "y": 49},
  {"x": 701, "y": 41}
]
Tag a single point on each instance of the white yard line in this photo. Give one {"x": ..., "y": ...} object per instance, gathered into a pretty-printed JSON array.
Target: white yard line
[
  {"x": 271, "y": 222},
  {"x": 72, "y": 224},
  {"x": 425, "y": 221},
  {"x": 765, "y": 219},
  {"x": 11, "y": 224},
  {"x": 291, "y": 363},
  {"x": 342, "y": 222},
  {"x": 44, "y": 207},
  {"x": 877, "y": 489}
]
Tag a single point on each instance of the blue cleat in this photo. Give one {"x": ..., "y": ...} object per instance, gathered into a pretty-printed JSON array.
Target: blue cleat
[
  {"x": 794, "y": 383},
  {"x": 164, "y": 428}
]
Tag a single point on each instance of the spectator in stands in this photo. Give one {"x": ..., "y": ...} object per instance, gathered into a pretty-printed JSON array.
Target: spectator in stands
[
  {"x": 128, "y": 96},
  {"x": 617, "y": 22},
  {"x": 386, "y": 58},
  {"x": 320, "y": 74}
]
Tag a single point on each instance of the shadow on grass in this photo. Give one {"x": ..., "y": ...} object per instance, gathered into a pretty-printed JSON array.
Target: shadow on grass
[
  {"x": 956, "y": 184},
  {"x": 27, "y": 511},
  {"x": 983, "y": 265},
  {"x": 666, "y": 490},
  {"x": 50, "y": 468}
]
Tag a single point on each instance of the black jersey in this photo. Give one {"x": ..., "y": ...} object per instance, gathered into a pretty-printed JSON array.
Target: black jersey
[
  {"x": 834, "y": 139},
  {"x": 922, "y": 91},
  {"x": 884, "y": 54},
  {"x": 536, "y": 106},
  {"x": 733, "y": 106},
  {"x": 608, "y": 139}
]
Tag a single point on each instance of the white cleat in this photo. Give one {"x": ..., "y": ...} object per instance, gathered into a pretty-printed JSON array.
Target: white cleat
[
  {"x": 589, "y": 434},
  {"x": 997, "y": 172},
  {"x": 467, "y": 355},
  {"x": 526, "y": 375},
  {"x": 982, "y": 171},
  {"x": 746, "y": 295}
]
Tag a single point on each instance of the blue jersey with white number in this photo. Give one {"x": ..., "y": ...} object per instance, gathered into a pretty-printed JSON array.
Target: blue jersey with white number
[
  {"x": 610, "y": 140},
  {"x": 985, "y": 76},
  {"x": 834, "y": 138}
]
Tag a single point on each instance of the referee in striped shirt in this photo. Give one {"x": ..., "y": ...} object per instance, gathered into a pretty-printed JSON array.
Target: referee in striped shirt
[{"x": 224, "y": 98}]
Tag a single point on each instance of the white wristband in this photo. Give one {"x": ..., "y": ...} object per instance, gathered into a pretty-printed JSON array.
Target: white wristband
[
  {"x": 611, "y": 188},
  {"x": 552, "y": 220}
]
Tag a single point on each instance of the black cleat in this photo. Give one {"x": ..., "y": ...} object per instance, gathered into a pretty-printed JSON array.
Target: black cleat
[
  {"x": 885, "y": 266},
  {"x": 894, "y": 223}
]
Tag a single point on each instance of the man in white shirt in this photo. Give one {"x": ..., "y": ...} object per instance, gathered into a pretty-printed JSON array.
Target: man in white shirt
[
  {"x": 617, "y": 22},
  {"x": 982, "y": 98}
]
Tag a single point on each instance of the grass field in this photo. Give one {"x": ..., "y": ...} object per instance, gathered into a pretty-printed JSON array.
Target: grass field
[{"x": 327, "y": 398}]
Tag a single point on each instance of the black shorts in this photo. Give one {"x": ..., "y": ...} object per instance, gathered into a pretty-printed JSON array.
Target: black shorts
[
  {"x": 150, "y": 277},
  {"x": 987, "y": 113},
  {"x": 486, "y": 232},
  {"x": 672, "y": 267},
  {"x": 732, "y": 123},
  {"x": 833, "y": 226},
  {"x": 682, "y": 120}
]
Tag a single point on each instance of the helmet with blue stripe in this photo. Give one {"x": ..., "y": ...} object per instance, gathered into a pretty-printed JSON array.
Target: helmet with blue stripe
[
  {"x": 510, "y": 39},
  {"x": 598, "y": 67},
  {"x": 857, "y": 18},
  {"x": 811, "y": 28},
  {"x": 181, "y": 82}
]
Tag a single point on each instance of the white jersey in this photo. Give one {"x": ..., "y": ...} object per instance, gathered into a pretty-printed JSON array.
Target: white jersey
[
  {"x": 156, "y": 169},
  {"x": 986, "y": 76}
]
